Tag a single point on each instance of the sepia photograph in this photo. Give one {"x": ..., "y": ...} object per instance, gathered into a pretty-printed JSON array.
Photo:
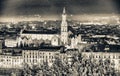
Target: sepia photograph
[{"x": 59, "y": 37}]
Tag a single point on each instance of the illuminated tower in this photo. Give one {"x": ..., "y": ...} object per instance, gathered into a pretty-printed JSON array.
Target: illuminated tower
[{"x": 64, "y": 29}]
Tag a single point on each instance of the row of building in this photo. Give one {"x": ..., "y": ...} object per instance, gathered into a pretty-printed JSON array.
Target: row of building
[{"x": 17, "y": 57}]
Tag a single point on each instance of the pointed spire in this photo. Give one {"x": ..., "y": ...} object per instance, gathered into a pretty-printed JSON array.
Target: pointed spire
[{"x": 64, "y": 11}]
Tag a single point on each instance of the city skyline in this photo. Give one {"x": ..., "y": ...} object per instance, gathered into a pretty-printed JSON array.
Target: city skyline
[
  {"x": 70, "y": 17},
  {"x": 59, "y": 40}
]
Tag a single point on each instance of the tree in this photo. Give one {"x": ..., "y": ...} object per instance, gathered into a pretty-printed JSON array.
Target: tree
[
  {"x": 80, "y": 67},
  {"x": 27, "y": 70}
]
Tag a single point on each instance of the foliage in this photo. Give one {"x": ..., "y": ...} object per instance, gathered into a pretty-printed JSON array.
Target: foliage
[{"x": 80, "y": 67}]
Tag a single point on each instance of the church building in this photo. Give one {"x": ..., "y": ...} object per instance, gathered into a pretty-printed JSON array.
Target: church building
[
  {"x": 55, "y": 39},
  {"x": 35, "y": 37}
]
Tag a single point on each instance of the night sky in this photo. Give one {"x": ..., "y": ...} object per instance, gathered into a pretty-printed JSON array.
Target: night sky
[{"x": 53, "y": 7}]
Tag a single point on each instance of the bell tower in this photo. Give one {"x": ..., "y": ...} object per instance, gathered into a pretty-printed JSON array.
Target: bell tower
[{"x": 64, "y": 28}]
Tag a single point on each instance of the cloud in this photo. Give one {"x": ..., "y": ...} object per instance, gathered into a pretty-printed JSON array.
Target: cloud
[{"x": 47, "y": 7}]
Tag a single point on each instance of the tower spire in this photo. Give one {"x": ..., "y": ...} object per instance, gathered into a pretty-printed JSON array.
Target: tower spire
[
  {"x": 64, "y": 28},
  {"x": 64, "y": 11}
]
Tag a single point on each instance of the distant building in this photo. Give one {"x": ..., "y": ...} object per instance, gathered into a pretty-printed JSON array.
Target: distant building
[
  {"x": 75, "y": 41},
  {"x": 9, "y": 61},
  {"x": 11, "y": 42},
  {"x": 11, "y": 58}
]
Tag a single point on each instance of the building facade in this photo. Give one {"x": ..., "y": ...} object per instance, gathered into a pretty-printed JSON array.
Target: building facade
[
  {"x": 33, "y": 56},
  {"x": 38, "y": 56},
  {"x": 10, "y": 61}
]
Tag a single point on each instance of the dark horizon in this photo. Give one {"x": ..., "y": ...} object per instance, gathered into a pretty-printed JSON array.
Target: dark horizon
[{"x": 55, "y": 7}]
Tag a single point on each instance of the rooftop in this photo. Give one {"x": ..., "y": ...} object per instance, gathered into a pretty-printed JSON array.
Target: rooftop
[
  {"x": 44, "y": 48},
  {"x": 40, "y": 32},
  {"x": 111, "y": 48}
]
